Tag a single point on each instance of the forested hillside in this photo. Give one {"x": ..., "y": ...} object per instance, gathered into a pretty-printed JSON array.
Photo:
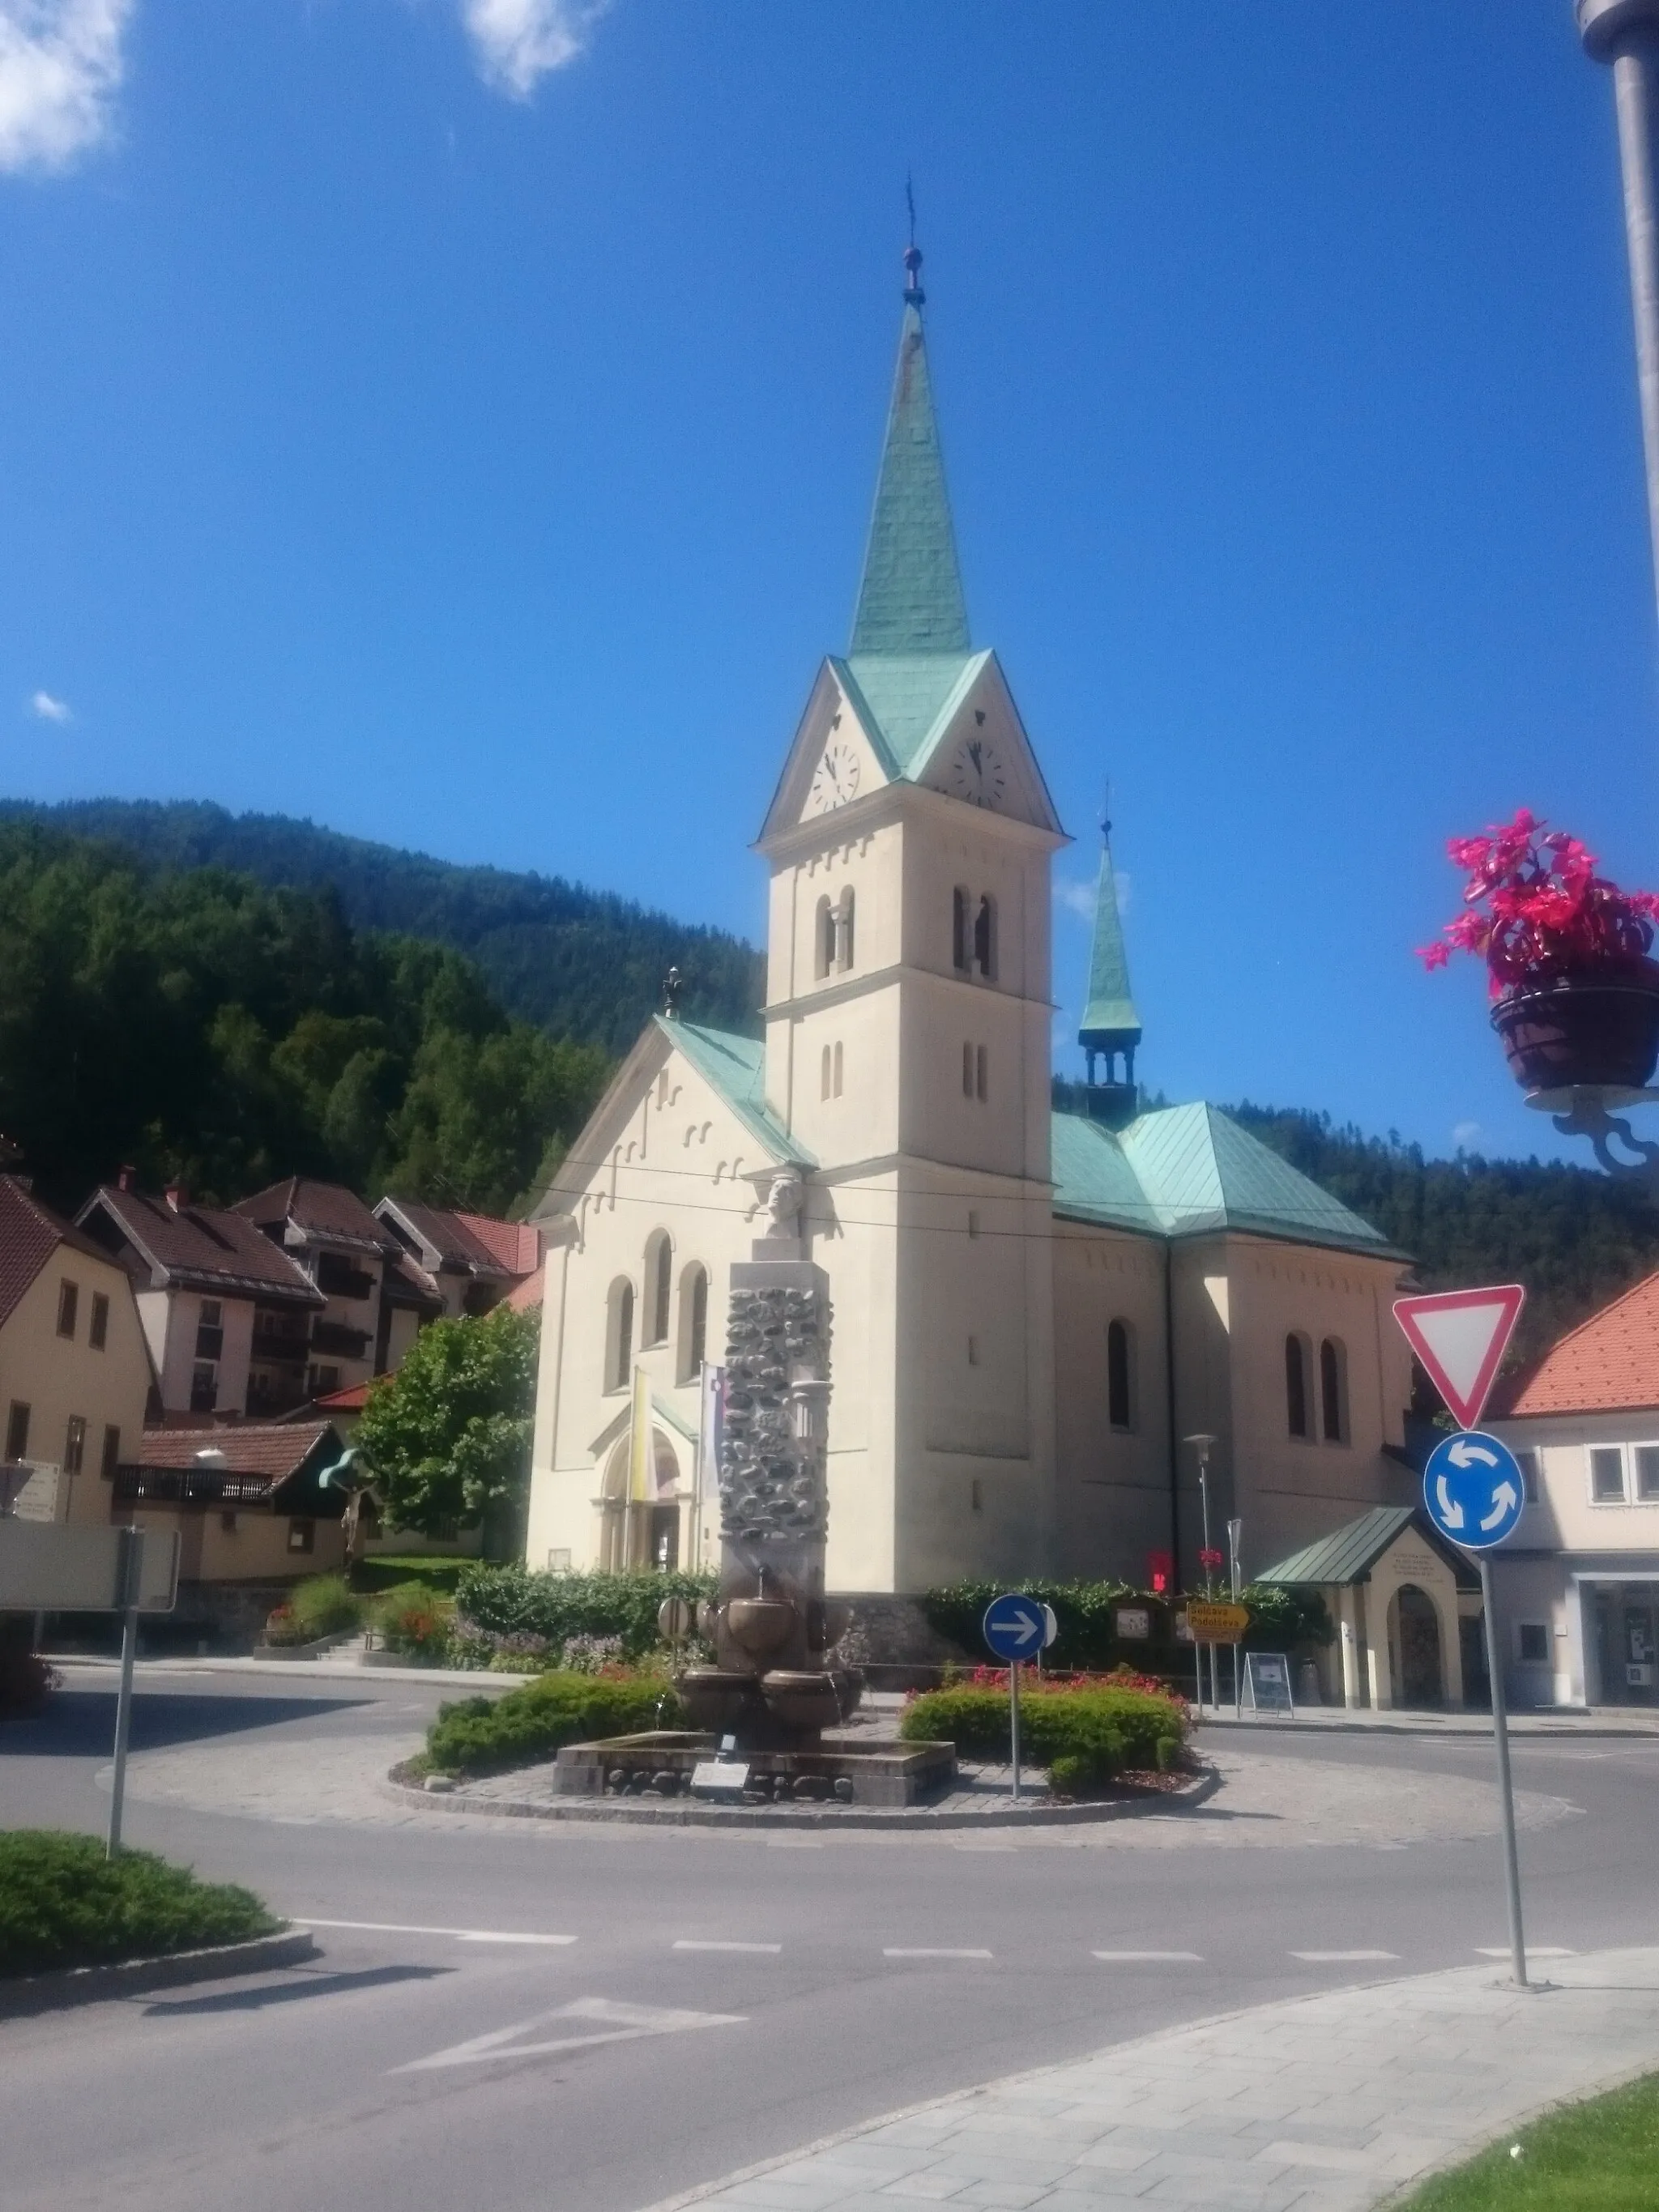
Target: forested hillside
[
  {"x": 577, "y": 962},
  {"x": 199, "y": 1026},
  {"x": 1572, "y": 1234}
]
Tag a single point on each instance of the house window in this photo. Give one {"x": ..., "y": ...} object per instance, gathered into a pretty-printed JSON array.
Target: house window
[
  {"x": 1120, "y": 1376},
  {"x": 1606, "y": 1475},
  {"x": 960, "y": 932},
  {"x": 1333, "y": 1391},
  {"x": 824, "y": 939},
  {"x": 1647, "y": 1474},
  {"x": 619, "y": 1335},
  {"x": 98, "y": 1325},
  {"x": 1295, "y": 1385},
  {"x": 985, "y": 937},
  {"x": 302, "y": 1535},
  {"x": 75, "y": 1444},
  {"x": 693, "y": 1321},
  {"x": 203, "y": 1386},
  {"x": 981, "y": 1088},
  {"x": 1532, "y": 1642},
  {"x": 844, "y": 931},
  {"x": 209, "y": 1330},
  {"x": 1528, "y": 1463},
  {"x": 658, "y": 1266},
  {"x": 69, "y": 1300},
  {"x": 835, "y": 1075},
  {"x": 227, "y": 1522},
  {"x": 321, "y": 1380},
  {"x": 973, "y": 1352},
  {"x": 17, "y": 1431},
  {"x": 111, "y": 1454},
  {"x": 973, "y": 1222}
]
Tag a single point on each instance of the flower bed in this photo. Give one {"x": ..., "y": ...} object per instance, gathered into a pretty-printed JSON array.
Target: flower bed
[
  {"x": 64, "y": 1904},
  {"x": 1083, "y": 1733},
  {"x": 491, "y": 1735}
]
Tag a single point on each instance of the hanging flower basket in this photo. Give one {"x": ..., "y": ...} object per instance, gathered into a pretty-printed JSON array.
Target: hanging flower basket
[{"x": 1575, "y": 998}]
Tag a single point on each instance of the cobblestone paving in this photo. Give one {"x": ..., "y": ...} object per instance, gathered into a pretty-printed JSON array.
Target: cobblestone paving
[{"x": 1322, "y": 2104}]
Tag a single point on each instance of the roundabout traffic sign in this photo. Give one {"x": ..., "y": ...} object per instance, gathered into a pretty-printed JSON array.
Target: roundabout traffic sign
[{"x": 1474, "y": 1490}]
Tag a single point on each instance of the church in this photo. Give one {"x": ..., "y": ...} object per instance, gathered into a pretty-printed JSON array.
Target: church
[{"x": 1044, "y": 1322}]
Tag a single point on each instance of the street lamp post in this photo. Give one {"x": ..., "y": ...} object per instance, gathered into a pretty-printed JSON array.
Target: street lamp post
[{"x": 1201, "y": 1443}]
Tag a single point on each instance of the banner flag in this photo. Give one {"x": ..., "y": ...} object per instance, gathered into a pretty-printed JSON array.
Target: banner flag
[
  {"x": 710, "y": 1430},
  {"x": 642, "y": 1473}
]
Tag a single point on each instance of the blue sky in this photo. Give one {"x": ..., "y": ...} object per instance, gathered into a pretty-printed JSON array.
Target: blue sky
[{"x": 456, "y": 420}]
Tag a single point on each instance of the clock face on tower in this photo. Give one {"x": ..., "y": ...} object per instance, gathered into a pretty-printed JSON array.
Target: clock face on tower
[
  {"x": 835, "y": 778},
  {"x": 976, "y": 772}
]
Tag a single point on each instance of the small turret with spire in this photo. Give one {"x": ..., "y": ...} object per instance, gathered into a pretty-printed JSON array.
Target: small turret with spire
[{"x": 1110, "y": 1026}]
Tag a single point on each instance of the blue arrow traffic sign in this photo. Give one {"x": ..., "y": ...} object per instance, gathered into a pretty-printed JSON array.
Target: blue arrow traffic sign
[
  {"x": 1474, "y": 1490},
  {"x": 1016, "y": 1627}
]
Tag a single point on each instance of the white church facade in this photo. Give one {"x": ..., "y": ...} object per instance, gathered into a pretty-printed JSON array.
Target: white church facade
[{"x": 1033, "y": 1311}]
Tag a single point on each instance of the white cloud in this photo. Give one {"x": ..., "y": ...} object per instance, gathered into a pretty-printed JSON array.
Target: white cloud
[
  {"x": 60, "y": 65},
  {"x": 1467, "y": 1135},
  {"x": 517, "y": 42},
  {"x": 49, "y": 709},
  {"x": 1079, "y": 898}
]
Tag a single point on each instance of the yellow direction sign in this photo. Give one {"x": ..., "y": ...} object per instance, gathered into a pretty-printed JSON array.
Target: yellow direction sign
[{"x": 1212, "y": 1623}]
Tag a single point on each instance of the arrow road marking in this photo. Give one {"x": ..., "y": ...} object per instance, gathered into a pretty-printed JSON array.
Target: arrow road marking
[
  {"x": 613, "y": 2023},
  {"x": 1451, "y": 1511},
  {"x": 1464, "y": 1453},
  {"x": 1505, "y": 1501}
]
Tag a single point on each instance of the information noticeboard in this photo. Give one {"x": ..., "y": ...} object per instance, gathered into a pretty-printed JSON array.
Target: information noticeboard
[{"x": 1267, "y": 1682}]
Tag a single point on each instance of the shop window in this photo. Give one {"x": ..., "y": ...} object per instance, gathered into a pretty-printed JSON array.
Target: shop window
[
  {"x": 75, "y": 1444},
  {"x": 98, "y": 1325},
  {"x": 1533, "y": 1643},
  {"x": 1120, "y": 1376},
  {"x": 1295, "y": 1385},
  {"x": 1606, "y": 1468},
  {"x": 69, "y": 1300},
  {"x": 1647, "y": 1474}
]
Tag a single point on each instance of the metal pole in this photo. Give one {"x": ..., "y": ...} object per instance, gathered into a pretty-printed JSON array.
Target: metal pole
[
  {"x": 1013, "y": 1720},
  {"x": 131, "y": 1552},
  {"x": 1500, "y": 1728},
  {"x": 1626, "y": 32}
]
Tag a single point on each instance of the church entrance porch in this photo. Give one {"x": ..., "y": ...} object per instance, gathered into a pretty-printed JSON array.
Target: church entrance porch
[{"x": 1414, "y": 1648}]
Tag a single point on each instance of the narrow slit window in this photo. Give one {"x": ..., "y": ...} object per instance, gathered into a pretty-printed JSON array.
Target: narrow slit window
[
  {"x": 835, "y": 1086},
  {"x": 981, "y": 1087},
  {"x": 985, "y": 937},
  {"x": 1120, "y": 1381},
  {"x": 844, "y": 931},
  {"x": 959, "y": 931},
  {"x": 1333, "y": 1376},
  {"x": 1296, "y": 1386},
  {"x": 967, "y": 1071},
  {"x": 826, "y": 1068},
  {"x": 823, "y": 940}
]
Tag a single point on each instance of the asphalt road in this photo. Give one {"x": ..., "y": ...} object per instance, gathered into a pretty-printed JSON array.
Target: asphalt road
[{"x": 542, "y": 2015}]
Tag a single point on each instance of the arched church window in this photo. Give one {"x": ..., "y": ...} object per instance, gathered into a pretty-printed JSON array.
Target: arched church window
[
  {"x": 693, "y": 1321},
  {"x": 1333, "y": 1390},
  {"x": 659, "y": 1267},
  {"x": 1120, "y": 1376},
  {"x": 824, "y": 939},
  {"x": 619, "y": 1334},
  {"x": 960, "y": 929},
  {"x": 985, "y": 937},
  {"x": 844, "y": 931},
  {"x": 1297, "y": 1409}
]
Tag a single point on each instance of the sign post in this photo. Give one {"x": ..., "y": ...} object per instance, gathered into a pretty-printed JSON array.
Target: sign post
[
  {"x": 129, "y": 1568},
  {"x": 1473, "y": 1492},
  {"x": 1016, "y": 1627}
]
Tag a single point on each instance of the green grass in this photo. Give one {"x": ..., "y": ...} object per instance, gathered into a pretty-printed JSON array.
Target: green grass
[
  {"x": 387, "y": 1570},
  {"x": 1601, "y": 2156},
  {"x": 64, "y": 1904}
]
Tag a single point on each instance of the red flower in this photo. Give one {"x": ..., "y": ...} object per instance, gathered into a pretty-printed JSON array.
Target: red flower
[{"x": 1534, "y": 910}]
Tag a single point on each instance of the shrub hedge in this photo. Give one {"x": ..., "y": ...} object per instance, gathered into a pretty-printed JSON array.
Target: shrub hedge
[
  {"x": 1082, "y": 1735},
  {"x": 496, "y": 1603},
  {"x": 414, "y": 1620},
  {"x": 1279, "y": 1618},
  {"x": 64, "y": 1904},
  {"x": 488, "y": 1735}
]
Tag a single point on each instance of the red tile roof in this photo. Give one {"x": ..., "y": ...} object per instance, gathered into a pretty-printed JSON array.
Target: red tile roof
[
  {"x": 525, "y": 1297},
  {"x": 1609, "y": 1364},
  {"x": 475, "y": 1242},
  {"x": 30, "y": 1233},
  {"x": 514, "y": 1244},
  {"x": 351, "y": 1400},
  {"x": 203, "y": 1247},
  {"x": 327, "y": 1210},
  {"x": 273, "y": 1449}
]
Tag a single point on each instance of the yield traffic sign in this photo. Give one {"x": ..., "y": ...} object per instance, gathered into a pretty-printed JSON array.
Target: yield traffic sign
[
  {"x": 1460, "y": 1336},
  {"x": 1474, "y": 1490}
]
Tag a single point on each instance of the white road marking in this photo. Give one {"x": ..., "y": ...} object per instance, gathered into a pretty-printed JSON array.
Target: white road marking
[
  {"x": 1534, "y": 1951},
  {"x": 403, "y": 1928},
  {"x": 793, "y": 1843},
  {"x": 691, "y": 1943},
  {"x": 613, "y": 2023},
  {"x": 1181, "y": 1958},
  {"x": 930, "y": 1951},
  {"x": 985, "y": 1847},
  {"x": 1341, "y": 1958}
]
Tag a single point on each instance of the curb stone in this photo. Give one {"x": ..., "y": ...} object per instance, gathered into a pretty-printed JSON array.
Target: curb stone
[
  {"x": 913, "y": 1819},
  {"x": 73, "y": 1985}
]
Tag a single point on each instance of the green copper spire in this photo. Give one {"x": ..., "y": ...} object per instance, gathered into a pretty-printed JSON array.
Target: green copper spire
[
  {"x": 910, "y": 600},
  {"x": 1110, "y": 1023}
]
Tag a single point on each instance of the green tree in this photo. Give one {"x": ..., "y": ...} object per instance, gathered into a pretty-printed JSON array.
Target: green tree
[{"x": 448, "y": 1435}]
